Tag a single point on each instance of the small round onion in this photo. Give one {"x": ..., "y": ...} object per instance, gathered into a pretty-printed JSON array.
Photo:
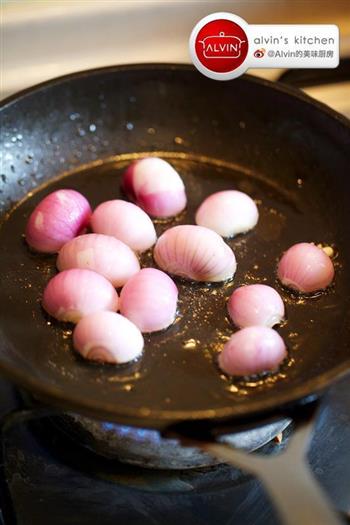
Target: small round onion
[
  {"x": 228, "y": 213},
  {"x": 196, "y": 253},
  {"x": 73, "y": 294},
  {"x": 255, "y": 304},
  {"x": 102, "y": 253},
  {"x": 149, "y": 300},
  {"x": 306, "y": 268},
  {"x": 252, "y": 350},
  {"x": 108, "y": 337},
  {"x": 57, "y": 219},
  {"x": 125, "y": 221},
  {"x": 155, "y": 186}
]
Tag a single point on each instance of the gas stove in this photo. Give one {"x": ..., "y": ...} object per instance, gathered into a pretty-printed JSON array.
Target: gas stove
[{"x": 48, "y": 477}]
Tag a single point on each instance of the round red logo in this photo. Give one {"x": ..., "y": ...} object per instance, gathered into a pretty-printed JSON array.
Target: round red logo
[{"x": 219, "y": 46}]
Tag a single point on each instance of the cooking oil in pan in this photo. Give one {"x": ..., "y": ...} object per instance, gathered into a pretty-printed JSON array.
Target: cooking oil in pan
[{"x": 185, "y": 353}]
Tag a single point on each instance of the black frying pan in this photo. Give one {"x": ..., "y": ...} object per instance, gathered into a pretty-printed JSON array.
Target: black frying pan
[{"x": 280, "y": 146}]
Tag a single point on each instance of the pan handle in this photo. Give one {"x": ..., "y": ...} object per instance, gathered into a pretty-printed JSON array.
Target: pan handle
[{"x": 289, "y": 481}]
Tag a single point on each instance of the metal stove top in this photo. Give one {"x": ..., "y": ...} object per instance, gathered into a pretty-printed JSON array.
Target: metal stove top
[{"x": 45, "y": 479}]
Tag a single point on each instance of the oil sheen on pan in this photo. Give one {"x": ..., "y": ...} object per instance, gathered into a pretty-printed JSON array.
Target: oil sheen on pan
[{"x": 185, "y": 354}]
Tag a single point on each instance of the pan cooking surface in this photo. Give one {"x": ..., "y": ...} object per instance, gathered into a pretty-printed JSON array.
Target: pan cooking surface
[
  {"x": 178, "y": 369},
  {"x": 288, "y": 152}
]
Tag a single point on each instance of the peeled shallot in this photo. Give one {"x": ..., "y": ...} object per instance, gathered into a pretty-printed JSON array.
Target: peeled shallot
[
  {"x": 155, "y": 186},
  {"x": 306, "y": 268},
  {"x": 57, "y": 219},
  {"x": 149, "y": 300},
  {"x": 125, "y": 221},
  {"x": 73, "y": 294},
  {"x": 102, "y": 253},
  {"x": 228, "y": 213},
  {"x": 255, "y": 304},
  {"x": 252, "y": 350},
  {"x": 196, "y": 253},
  {"x": 107, "y": 337}
]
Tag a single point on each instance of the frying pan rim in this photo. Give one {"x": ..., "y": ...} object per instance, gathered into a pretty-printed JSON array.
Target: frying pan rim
[
  {"x": 276, "y": 85},
  {"x": 107, "y": 410},
  {"x": 253, "y": 406}
]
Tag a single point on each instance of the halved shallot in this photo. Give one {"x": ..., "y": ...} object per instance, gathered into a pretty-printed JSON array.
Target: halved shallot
[
  {"x": 125, "y": 221},
  {"x": 73, "y": 294},
  {"x": 57, "y": 219},
  {"x": 252, "y": 350},
  {"x": 228, "y": 213},
  {"x": 102, "y": 253},
  {"x": 306, "y": 268},
  {"x": 155, "y": 186},
  {"x": 149, "y": 300},
  {"x": 107, "y": 337},
  {"x": 255, "y": 304},
  {"x": 196, "y": 253}
]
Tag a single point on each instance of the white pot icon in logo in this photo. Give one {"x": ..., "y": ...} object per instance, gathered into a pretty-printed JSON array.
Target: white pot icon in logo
[{"x": 222, "y": 46}]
